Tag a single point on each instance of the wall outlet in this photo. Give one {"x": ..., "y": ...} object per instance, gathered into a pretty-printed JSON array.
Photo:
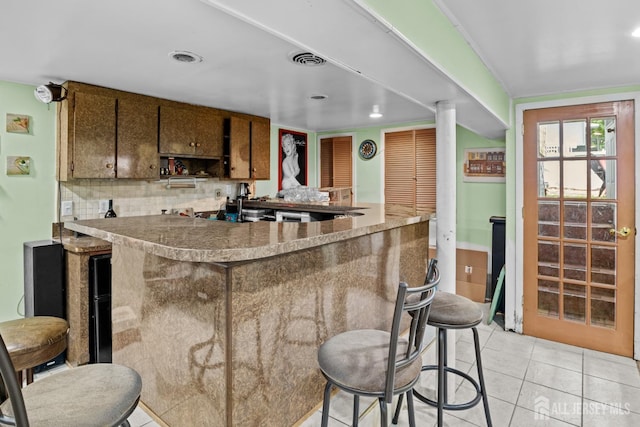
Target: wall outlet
[
  {"x": 218, "y": 193},
  {"x": 468, "y": 269},
  {"x": 103, "y": 206},
  {"x": 66, "y": 208}
]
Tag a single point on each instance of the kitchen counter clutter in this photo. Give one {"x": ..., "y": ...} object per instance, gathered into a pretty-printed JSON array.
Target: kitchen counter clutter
[{"x": 223, "y": 320}]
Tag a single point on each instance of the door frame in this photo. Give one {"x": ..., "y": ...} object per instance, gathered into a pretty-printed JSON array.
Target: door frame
[
  {"x": 514, "y": 290},
  {"x": 354, "y": 151}
]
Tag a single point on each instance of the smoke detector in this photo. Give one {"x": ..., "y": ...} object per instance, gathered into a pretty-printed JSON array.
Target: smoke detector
[
  {"x": 307, "y": 58},
  {"x": 185, "y": 56}
]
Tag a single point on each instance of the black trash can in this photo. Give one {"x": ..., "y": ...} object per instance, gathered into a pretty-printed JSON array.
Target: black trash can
[{"x": 497, "y": 258}]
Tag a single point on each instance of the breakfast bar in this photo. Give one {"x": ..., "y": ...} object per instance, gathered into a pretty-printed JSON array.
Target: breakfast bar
[{"x": 223, "y": 320}]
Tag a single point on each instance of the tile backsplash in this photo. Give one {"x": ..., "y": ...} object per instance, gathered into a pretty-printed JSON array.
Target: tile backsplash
[{"x": 134, "y": 198}]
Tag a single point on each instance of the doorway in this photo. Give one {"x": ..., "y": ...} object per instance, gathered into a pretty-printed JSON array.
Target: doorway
[
  {"x": 336, "y": 161},
  {"x": 579, "y": 225}
]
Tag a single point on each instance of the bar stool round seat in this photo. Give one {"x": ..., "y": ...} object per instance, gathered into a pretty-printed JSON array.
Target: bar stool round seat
[
  {"x": 450, "y": 311},
  {"x": 34, "y": 340}
]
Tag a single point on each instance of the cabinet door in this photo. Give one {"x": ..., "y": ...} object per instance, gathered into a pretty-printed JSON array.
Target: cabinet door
[
  {"x": 137, "y": 139},
  {"x": 94, "y": 136},
  {"x": 239, "y": 148},
  {"x": 209, "y": 133},
  {"x": 177, "y": 131},
  {"x": 260, "y": 149}
]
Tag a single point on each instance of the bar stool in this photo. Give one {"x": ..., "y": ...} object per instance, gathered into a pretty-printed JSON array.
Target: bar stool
[
  {"x": 450, "y": 311},
  {"x": 32, "y": 341}
]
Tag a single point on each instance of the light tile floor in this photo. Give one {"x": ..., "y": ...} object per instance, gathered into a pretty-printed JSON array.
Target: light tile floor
[
  {"x": 530, "y": 382},
  {"x": 526, "y": 379}
]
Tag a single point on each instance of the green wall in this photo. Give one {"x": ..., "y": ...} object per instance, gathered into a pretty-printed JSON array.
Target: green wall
[
  {"x": 476, "y": 202},
  {"x": 431, "y": 32},
  {"x": 27, "y": 203}
]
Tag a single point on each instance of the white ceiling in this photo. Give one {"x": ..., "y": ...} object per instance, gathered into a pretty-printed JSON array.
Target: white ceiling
[{"x": 246, "y": 44}]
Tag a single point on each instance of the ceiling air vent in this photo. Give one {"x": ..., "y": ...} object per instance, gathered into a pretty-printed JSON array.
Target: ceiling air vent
[
  {"x": 307, "y": 58},
  {"x": 184, "y": 56}
]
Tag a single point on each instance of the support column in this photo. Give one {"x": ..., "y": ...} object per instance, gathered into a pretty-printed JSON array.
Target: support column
[
  {"x": 446, "y": 194},
  {"x": 446, "y": 215}
]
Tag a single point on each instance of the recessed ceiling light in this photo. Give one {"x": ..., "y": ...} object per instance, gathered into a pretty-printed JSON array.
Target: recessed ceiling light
[
  {"x": 636, "y": 32},
  {"x": 185, "y": 56},
  {"x": 375, "y": 114},
  {"x": 318, "y": 97}
]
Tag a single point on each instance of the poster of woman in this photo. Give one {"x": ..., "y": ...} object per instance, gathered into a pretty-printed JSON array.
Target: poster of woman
[{"x": 292, "y": 164}]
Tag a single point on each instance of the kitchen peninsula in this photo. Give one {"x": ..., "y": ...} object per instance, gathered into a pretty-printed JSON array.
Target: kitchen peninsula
[{"x": 223, "y": 320}]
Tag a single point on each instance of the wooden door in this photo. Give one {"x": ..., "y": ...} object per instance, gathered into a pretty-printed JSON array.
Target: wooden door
[
  {"x": 410, "y": 169},
  {"x": 260, "y": 149},
  {"x": 239, "y": 148},
  {"x": 177, "y": 131},
  {"x": 579, "y": 225},
  {"x": 208, "y": 125},
  {"x": 94, "y": 136},
  {"x": 138, "y": 139},
  {"x": 335, "y": 162}
]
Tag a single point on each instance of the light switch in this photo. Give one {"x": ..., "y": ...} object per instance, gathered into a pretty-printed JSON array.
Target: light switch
[{"x": 103, "y": 206}]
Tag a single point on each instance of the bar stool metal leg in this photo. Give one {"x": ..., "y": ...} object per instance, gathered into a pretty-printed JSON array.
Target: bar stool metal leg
[{"x": 485, "y": 400}]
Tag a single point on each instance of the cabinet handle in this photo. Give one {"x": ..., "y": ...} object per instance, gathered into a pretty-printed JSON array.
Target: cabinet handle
[
  {"x": 152, "y": 167},
  {"x": 197, "y": 144},
  {"x": 109, "y": 165},
  {"x": 192, "y": 144},
  {"x": 254, "y": 169},
  {"x": 233, "y": 168}
]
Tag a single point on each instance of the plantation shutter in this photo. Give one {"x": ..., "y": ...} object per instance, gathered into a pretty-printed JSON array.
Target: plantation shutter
[
  {"x": 400, "y": 169},
  {"x": 342, "y": 162},
  {"x": 326, "y": 162},
  {"x": 426, "y": 169},
  {"x": 410, "y": 169}
]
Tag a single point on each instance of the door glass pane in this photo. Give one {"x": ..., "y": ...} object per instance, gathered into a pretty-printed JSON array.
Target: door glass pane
[
  {"x": 549, "y": 218},
  {"x": 575, "y": 302},
  {"x": 551, "y": 270},
  {"x": 548, "y": 298},
  {"x": 549, "y": 252},
  {"x": 603, "y": 136},
  {"x": 575, "y": 262},
  {"x": 603, "y": 305},
  {"x": 575, "y": 220},
  {"x": 548, "y": 139},
  {"x": 603, "y": 257},
  {"x": 574, "y": 174},
  {"x": 549, "y": 178},
  {"x": 603, "y": 178},
  {"x": 602, "y": 220},
  {"x": 574, "y": 138}
]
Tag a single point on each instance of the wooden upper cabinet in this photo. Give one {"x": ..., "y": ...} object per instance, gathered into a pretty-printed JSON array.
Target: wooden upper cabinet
[
  {"x": 137, "y": 138},
  {"x": 189, "y": 131},
  {"x": 260, "y": 149},
  {"x": 94, "y": 136},
  {"x": 239, "y": 148}
]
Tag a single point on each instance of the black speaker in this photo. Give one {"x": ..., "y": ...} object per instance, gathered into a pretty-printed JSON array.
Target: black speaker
[{"x": 44, "y": 285}]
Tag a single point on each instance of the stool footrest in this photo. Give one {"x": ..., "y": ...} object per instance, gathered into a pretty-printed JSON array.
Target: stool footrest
[{"x": 451, "y": 406}]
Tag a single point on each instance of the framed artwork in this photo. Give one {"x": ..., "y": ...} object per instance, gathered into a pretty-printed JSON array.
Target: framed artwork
[
  {"x": 18, "y": 165},
  {"x": 484, "y": 165},
  {"x": 17, "y": 123},
  {"x": 292, "y": 161}
]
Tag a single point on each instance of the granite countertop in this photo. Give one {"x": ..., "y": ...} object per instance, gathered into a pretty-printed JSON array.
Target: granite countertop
[
  {"x": 202, "y": 240},
  {"x": 85, "y": 244}
]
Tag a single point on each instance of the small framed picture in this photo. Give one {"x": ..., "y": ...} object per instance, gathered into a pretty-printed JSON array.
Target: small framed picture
[
  {"x": 17, "y": 123},
  {"x": 18, "y": 165},
  {"x": 484, "y": 165}
]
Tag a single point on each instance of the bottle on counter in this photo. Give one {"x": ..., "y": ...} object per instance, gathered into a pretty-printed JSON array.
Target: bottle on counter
[{"x": 110, "y": 212}]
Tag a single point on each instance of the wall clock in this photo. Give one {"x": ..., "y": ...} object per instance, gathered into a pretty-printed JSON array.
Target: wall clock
[{"x": 367, "y": 149}]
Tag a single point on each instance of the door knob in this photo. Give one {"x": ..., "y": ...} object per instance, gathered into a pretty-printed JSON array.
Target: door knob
[{"x": 623, "y": 232}]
